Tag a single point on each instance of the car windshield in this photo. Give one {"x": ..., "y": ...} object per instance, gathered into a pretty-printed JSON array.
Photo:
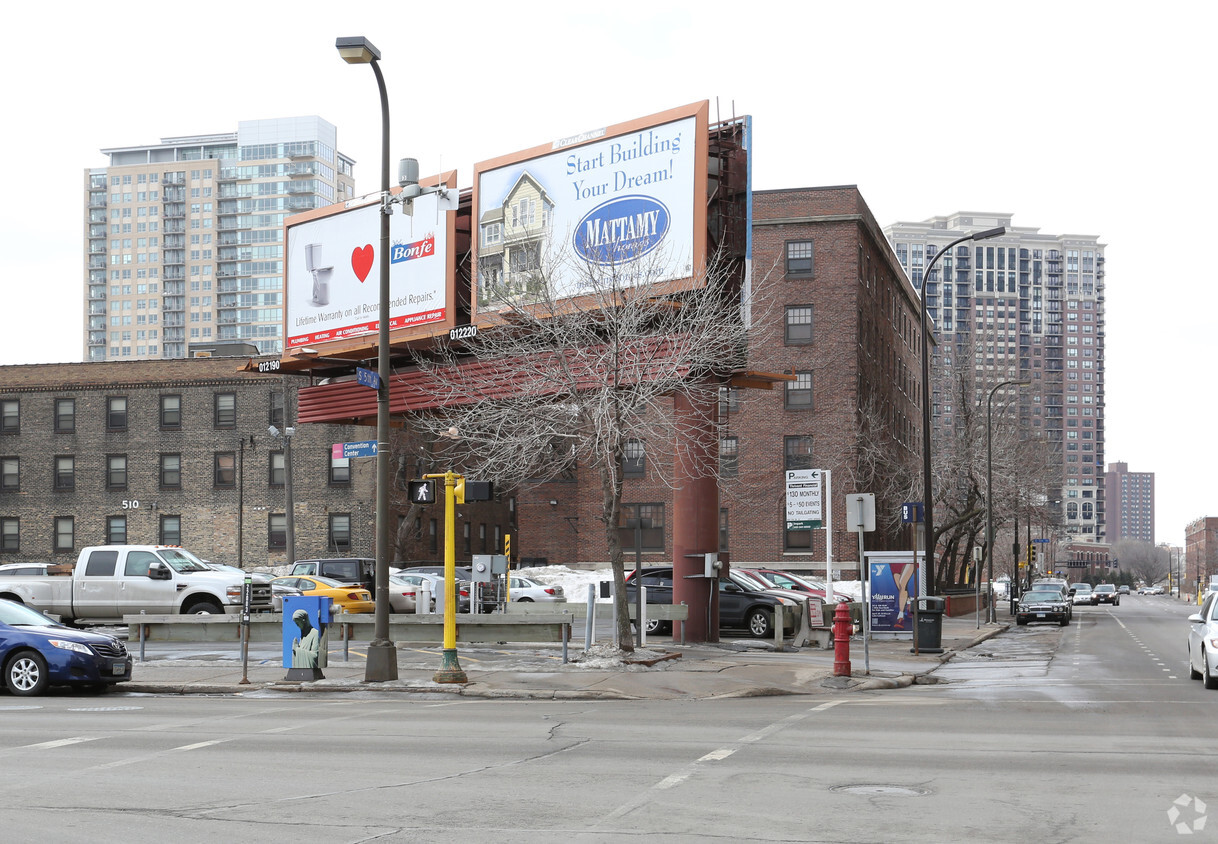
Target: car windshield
[
  {"x": 182, "y": 560},
  {"x": 1082, "y": 588},
  {"x": 1039, "y": 595},
  {"x": 1105, "y": 588},
  {"x": 19, "y": 615}
]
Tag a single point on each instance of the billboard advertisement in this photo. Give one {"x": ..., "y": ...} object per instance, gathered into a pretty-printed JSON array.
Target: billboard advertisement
[
  {"x": 333, "y": 271},
  {"x": 631, "y": 195}
]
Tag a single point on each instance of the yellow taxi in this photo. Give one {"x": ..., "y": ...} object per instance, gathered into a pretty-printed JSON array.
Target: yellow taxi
[{"x": 346, "y": 597}]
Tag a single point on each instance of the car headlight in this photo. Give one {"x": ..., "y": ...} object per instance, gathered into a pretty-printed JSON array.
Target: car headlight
[
  {"x": 233, "y": 593},
  {"x": 71, "y": 646}
]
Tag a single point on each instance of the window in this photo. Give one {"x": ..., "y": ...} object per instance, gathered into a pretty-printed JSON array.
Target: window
[
  {"x": 65, "y": 472},
  {"x": 797, "y": 452},
  {"x": 65, "y": 533},
  {"x": 340, "y": 531},
  {"x": 225, "y": 468},
  {"x": 171, "y": 412},
  {"x": 799, "y": 325},
  {"x": 10, "y": 534},
  {"x": 634, "y": 459},
  {"x": 276, "y": 414},
  {"x": 116, "y": 413},
  {"x": 799, "y": 392},
  {"x": 799, "y": 257},
  {"x": 729, "y": 451},
  {"x": 116, "y": 471},
  {"x": 729, "y": 399},
  {"x": 432, "y": 537},
  {"x": 171, "y": 475},
  {"x": 340, "y": 471},
  {"x": 646, "y": 521},
  {"x": 10, "y": 416},
  {"x": 116, "y": 530},
  {"x": 277, "y": 530},
  {"x": 277, "y": 469},
  {"x": 226, "y": 410},
  {"x": 171, "y": 530},
  {"x": 65, "y": 416},
  {"x": 10, "y": 474},
  {"x": 469, "y": 548}
]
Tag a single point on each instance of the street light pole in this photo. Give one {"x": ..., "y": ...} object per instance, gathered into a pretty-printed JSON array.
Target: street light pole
[
  {"x": 382, "y": 663},
  {"x": 992, "y": 611},
  {"x": 928, "y": 504}
]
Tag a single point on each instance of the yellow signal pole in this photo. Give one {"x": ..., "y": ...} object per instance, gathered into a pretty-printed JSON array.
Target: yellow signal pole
[{"x": 450, "y": 667}]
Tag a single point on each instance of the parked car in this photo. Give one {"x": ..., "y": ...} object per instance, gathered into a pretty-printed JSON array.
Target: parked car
[
  {"x": 36, "y": 653},
  {"x": 1106, "y": 593},
  {"x": 1083, "y": 594},
  {"x": 794, "y": 582},
  {"x": 25, "y": 570},
  {"x": 1047, "y": 605},
  {"x": 1060, "y": 587},
  {"x": 1203, "y": 642},
  {"x": 526, "y": 590},
  {"x": 743, "y": 605},
  {"x": 435, "y": 582},
  {"x": 350, "y": 598},
  {"x": 278, "y": 592},
  {"x": 355, "y": 570}
]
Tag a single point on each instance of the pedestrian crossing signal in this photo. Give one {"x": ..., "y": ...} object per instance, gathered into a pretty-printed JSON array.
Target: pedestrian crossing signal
[{"x": 422, "y": 492}]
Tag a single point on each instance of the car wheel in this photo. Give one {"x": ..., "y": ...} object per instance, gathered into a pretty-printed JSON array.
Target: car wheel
[
  {"x": 1193, "y": 673},
  {"x": 760, "y": 624},
  {"x": 26, "y": 674},
  {"x": 1021, "y": 621},
  {"x": 202, "y": 608},
  {"x": 1211, "y": 680},
  {"x": 1065, "y": 622},
  {"x": 524, "y": 600}
]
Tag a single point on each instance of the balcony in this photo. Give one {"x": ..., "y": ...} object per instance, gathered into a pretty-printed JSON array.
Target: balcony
[
  {"x": 174, "y": 241},
  {"x": 176, "y": 179},
  {"x": 174, "y": 211},
  {"x": 97, "y": 262},
  {"x": 97, "y": 200},
  {"x": 97, "y": 216},
  {"x": 173, "y": 226},
  {"x": 174, "y": 195},
  {"x": 97, "y": 292},
  {"x": 173, "y": 256},
  {"x": 174, "y": 288},
  {"x": 174, "y": 303},
  {"x": 97, "y": 309},
  {"x": 97, "y": 247}
]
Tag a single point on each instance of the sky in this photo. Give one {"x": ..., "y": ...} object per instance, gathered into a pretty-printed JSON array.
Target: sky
[{"x": 1076, "y": 117}]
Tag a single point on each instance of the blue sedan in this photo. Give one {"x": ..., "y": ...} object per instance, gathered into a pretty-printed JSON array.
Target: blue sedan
[{"x": 36, "y": 652}]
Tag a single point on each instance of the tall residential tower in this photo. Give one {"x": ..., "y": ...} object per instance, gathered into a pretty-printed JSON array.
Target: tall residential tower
[
  {"x": 1025, "y": 306},
  {"x": 1130, "y": 504},
  {"x": 184, "y": 239}
]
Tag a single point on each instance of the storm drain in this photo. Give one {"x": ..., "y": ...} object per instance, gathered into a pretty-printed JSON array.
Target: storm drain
[{"x": 871, "y": 790}]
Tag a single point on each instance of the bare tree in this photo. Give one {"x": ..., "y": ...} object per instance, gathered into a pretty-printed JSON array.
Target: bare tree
[
  {"x": 1146, "y": 562},
  {"x": 580, "y": 358}
]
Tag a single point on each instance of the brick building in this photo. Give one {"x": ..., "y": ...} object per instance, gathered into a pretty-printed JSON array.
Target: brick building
[
  {"x": 179, "y": 452},
  {"x": 1200, "y": 551},
  {"x": 843, "y": 318}
]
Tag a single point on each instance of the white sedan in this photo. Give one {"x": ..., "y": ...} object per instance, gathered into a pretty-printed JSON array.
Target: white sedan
[
  {"x": 525, "y": 590},
  {"x": 1203, "y": 642}
]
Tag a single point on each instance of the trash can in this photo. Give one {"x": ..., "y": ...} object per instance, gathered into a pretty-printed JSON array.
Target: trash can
[{"x": 930, "y": 623}]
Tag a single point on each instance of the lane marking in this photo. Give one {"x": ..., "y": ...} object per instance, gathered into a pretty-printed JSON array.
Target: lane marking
[
  {"x": 47, "y": 745},
  {"x": 135, "y": 760}
]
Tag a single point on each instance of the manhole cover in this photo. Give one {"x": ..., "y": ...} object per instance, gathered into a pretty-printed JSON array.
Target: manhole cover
[
  {"x": 885, "y": 790},
  {"x": 107, "y": 709}
]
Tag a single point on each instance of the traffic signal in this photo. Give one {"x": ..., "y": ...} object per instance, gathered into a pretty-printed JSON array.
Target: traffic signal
[
  {"x": 422, "y": 492},
  {"x": 1031, "y": 553}
]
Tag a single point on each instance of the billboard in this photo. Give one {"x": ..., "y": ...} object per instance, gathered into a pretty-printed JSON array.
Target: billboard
[
  {"x": 630, "y": 194},
  {"x": 332, "y": 287}
]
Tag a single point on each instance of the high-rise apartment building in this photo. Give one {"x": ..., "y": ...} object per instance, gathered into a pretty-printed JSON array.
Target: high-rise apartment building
[
  {"x": 1024, "y": 306},
  {"x": 184, "y": 239},
  {"x": 1129, "y": 499}
]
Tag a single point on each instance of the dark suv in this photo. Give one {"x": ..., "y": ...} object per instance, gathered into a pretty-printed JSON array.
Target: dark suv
[
  {"x": 741, "y": 606},
  {"x": 353, "y": 570}
]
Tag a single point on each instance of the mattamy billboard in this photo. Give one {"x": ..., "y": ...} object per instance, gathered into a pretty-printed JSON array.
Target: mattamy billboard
[
  {"x": 613, "y": 197},
  {"x": 333, "y": 272}
]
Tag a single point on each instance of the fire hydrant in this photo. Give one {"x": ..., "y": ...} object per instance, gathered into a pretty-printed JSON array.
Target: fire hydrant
[{"x": 843, "y": 626}]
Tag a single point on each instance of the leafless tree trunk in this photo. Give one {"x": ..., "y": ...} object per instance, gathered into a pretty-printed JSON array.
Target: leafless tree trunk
[{"x": 557, "y": 381}]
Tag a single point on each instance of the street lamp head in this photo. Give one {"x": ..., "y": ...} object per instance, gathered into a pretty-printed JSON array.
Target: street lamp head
[
  {"x": 986, "y": 234},
  {"x": 357, "y": 49}
]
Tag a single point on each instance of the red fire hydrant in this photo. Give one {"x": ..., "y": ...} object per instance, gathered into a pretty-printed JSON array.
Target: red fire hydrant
[{"x": 843, "y": 626}]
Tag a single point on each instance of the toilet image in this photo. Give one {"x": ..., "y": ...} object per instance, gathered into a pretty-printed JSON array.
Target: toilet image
[{"x": 320, "y": 272}]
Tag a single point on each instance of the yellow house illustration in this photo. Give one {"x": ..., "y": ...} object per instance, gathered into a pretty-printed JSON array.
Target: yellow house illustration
[{"x": 511, "y": 242}]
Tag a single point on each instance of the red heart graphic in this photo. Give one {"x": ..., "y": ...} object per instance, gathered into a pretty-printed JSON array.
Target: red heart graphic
[{"x": 361, "y": 261}]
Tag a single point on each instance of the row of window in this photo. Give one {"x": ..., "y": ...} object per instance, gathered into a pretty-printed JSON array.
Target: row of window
[
  {"x": 224, "y": 413},
  {"x": 224, "y": 471},
  {"x": 63, "y": 532},
  {"x": 797, "y": 454}
]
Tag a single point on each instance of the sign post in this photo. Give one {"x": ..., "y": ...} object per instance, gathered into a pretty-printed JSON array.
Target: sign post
[{"x": 860, "y": 518}]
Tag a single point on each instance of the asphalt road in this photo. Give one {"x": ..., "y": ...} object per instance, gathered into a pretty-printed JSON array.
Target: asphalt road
[{"x": 1085, "y": 733}]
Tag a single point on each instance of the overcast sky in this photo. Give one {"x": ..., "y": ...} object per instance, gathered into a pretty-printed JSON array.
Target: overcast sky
[{"x": 1086, "y": 118}]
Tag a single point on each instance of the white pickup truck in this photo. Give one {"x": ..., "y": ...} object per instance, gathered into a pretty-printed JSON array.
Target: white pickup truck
[{"x": 110, "y": 581}]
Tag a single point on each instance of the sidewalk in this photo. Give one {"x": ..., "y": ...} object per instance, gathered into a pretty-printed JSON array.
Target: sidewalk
[{"x": 664, "y": 670}]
